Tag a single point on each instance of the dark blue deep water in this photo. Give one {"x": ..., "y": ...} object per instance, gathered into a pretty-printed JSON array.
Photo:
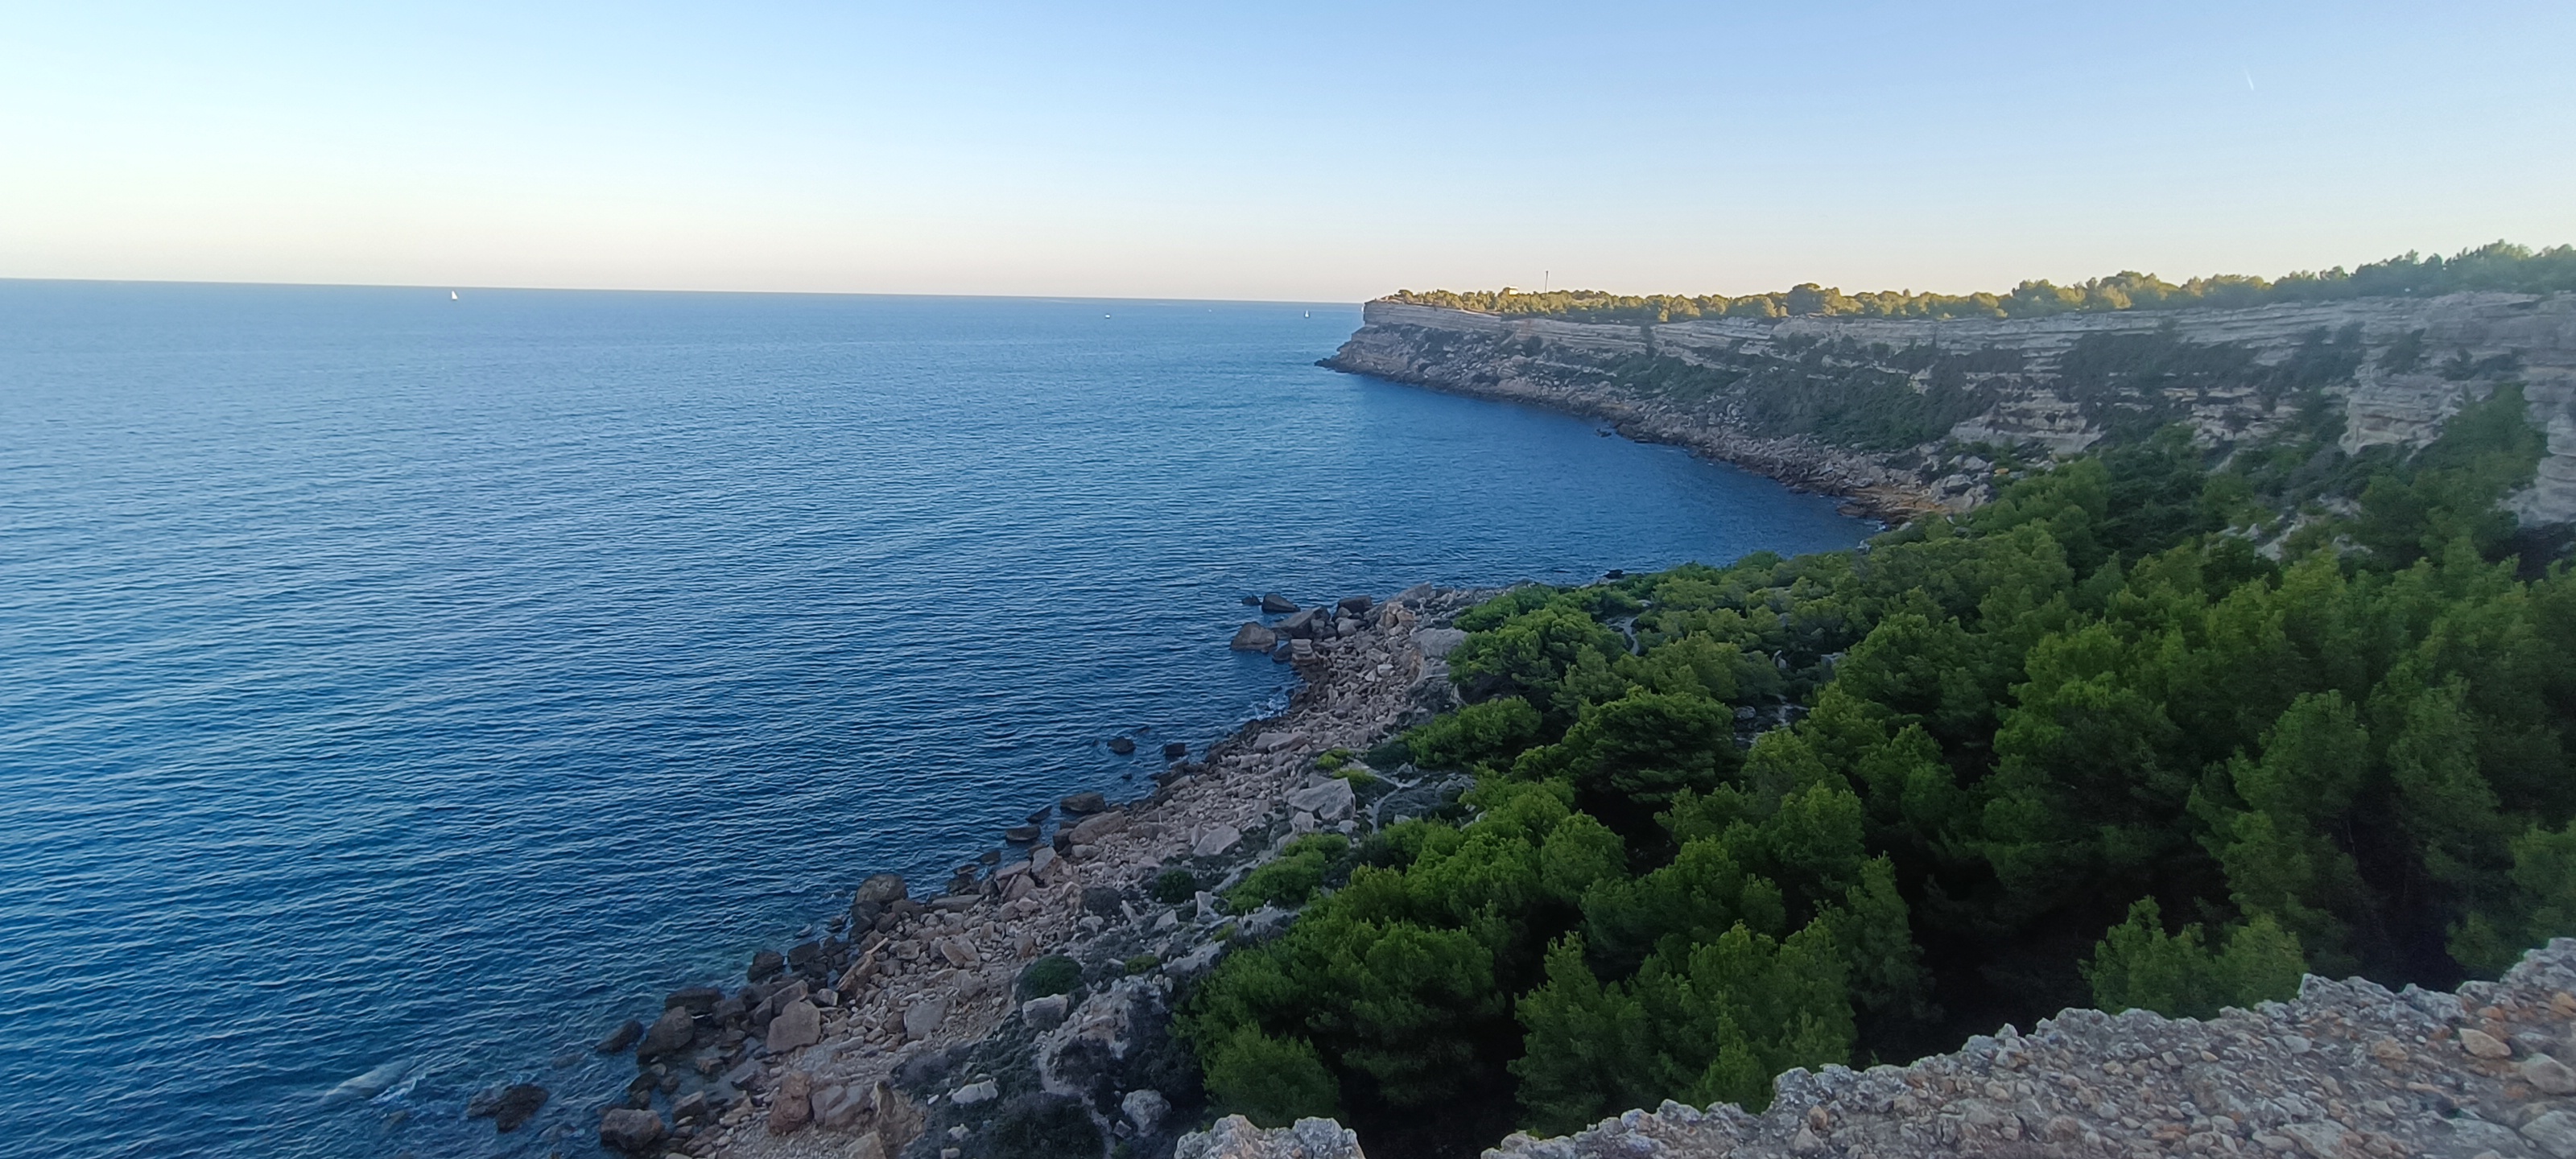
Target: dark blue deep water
[{"x": 401, "y": 690}]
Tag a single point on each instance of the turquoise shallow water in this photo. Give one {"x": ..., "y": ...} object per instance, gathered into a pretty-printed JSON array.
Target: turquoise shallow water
[{"x": 396, "y": 691}]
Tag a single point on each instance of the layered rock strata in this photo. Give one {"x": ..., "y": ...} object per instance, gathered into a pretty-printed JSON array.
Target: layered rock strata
[
  {"x": 2348, "y": 1070},
  {"x": 2057, "y": 383}
]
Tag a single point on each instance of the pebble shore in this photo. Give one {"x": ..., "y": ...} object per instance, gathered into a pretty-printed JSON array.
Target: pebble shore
[{"x": 903, "y": 1032}]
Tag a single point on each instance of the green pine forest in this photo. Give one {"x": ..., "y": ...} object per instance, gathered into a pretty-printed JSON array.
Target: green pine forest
[
  {"x": 2499, "y": 266},
  {"x": 2084, "y": 746}
]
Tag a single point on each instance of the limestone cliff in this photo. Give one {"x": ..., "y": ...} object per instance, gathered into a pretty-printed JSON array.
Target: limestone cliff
[{"x": 1892, "y": 412}]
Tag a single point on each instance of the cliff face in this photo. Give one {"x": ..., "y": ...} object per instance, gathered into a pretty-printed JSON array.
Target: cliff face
[
  {"x": 1887, "y": 411},
  {"x": 2348, "y": 1070}
]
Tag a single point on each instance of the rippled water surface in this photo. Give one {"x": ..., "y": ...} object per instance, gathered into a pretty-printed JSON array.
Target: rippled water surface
[{"x": 395, "y": 691}]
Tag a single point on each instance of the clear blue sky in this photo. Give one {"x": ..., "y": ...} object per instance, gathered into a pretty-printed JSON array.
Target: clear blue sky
[{"x": 1308, "y": 151}]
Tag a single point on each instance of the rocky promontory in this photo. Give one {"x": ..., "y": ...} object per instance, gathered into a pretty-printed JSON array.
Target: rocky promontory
[
  {"x": 1899, "y": 416},
  {"x": 2348, "y": 1070}
]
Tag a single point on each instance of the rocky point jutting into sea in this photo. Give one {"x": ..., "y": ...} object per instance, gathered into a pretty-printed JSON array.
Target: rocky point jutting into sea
[{"x": 1727, "y": 387}]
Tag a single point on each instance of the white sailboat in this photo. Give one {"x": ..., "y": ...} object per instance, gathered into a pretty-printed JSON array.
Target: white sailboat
[{"x": 451, "y": 295}]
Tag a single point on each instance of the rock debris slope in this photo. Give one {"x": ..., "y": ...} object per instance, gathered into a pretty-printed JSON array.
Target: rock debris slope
[{"x": 2348, "y": 1069}]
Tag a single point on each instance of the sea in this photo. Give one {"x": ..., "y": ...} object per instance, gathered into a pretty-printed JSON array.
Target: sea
[{"x": 398, "y": 689}]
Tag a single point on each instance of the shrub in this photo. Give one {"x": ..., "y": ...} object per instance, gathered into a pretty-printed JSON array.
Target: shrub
[
  {"x": 1053, "y": 974},
  {"x": 1141, "y": 963},
  {"x": 1174, "y": 886},
  {"x": 1294, "y": 877}
]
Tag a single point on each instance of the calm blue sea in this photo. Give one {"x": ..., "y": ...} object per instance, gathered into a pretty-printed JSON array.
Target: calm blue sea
[{"x": 395, "y": 691}]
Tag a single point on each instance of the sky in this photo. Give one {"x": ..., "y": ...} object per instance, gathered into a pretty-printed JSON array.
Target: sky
[{"x": 1303, "y": 152}]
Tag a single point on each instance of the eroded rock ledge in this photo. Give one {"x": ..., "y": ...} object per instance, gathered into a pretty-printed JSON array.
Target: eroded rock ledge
[{"x": 2348, "y": 1070}]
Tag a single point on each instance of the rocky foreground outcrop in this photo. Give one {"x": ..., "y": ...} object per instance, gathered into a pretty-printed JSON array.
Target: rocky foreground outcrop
[
  {"x": 2400, "y": 367},
  {"x": 2348, "y": 1070}
]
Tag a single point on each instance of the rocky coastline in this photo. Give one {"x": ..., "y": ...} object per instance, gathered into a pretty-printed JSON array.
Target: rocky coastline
[
  {"x": 1023, "y": 1008},
  {"x": 1735, "y": 390}
]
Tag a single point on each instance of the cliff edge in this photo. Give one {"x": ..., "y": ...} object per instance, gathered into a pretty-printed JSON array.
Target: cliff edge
[
  {"x": 1899, "y": 415},
  {"x": 2348, "y": 1069}
]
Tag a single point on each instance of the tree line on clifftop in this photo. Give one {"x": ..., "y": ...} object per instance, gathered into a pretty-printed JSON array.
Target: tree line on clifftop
[
  {"x": 2085, "y": 745},
  {"x": 2498, "y": 266}
]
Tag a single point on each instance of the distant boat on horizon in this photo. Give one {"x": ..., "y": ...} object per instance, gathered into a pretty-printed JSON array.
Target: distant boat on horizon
[{"x": 451, "y": 295}]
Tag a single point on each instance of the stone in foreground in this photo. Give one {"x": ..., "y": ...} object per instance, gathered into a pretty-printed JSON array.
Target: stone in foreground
[
  {"x": 1234, "y": 1137},
  {"x": 630, "y": 1130}
]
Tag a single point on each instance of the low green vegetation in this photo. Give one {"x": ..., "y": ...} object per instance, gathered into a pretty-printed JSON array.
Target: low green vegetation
[
  {"x": 1053, "y": 974},
  {"x": 2495, "y": 266},
  {"x": 2085, "y": 745},
  {"x": 1292, "y": 877},
  {"x": 1174, "y": 886}
]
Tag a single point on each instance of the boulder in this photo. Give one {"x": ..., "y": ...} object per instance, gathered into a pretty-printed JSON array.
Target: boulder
[
  {"x": 1043, "y": 1014},
  {"x": 1271, "y": 742},
  {"x": 699, "y": 1001},
  {"x": 1216, "y": 841},
  {"x": 973, "y": 1093},
  {"x": 1096, "y": 827},
  {"x": 1122, "y": 745},
  {"x": 1175, "y": 750},
  {"x": 1302, "y": 624},
  {"x": 1145, "y": 1108},
  {"x": 670, "y": 1034},
  {"x": 1276, "y": 604},
  {"x": 838, "y": 1108},
  {"x": 799, "y": 1023},
  {"x": 1346, "y": 626},
  {"x": 924, "y": 1016},
  {"x": 881, "y": 889},
  {"x": 620, "y": 1039},
  {"x": 792, "y": 1107},
  {"x": 1332, "y": 800},
  {"x": 1437, "y": 642},
  {"x": 517, "y": 1105},
  {"x": 1084, "y": 803},
  {"x": 959, "y": 952},
  {"x": 1020, "y": 834},
  {"x": 804, "y": 957},
  {"x": 956, "y": 902},
  {"x": 692, "y": 1108},
  {"x": 1302, "y": 652},
  {"x": 1251, "y": 601},
  {"x": 765, "y": 965},
  {"x": 630, "y": 1130},
  {"x": 1253, "y": 637},
  {"x": 1234, "y": 1137},
  {"x": 1356, "y": 605}
]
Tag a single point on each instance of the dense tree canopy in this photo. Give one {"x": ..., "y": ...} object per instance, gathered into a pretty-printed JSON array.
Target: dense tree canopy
[
  {"x": 2084, "y": 745},
  {"x": 2495, "y": 266}
]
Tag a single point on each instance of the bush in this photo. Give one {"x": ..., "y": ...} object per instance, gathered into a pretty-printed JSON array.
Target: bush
[
  {"x": 1174, "y": 886},
  {"x": 1053, "y": 974},
  {"x": 1142, "y": 963},
  {"x": 1272, "y": 1082},
  {"x": 2138, "y": 964},
  {"x": 1293, "y": 878}
]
